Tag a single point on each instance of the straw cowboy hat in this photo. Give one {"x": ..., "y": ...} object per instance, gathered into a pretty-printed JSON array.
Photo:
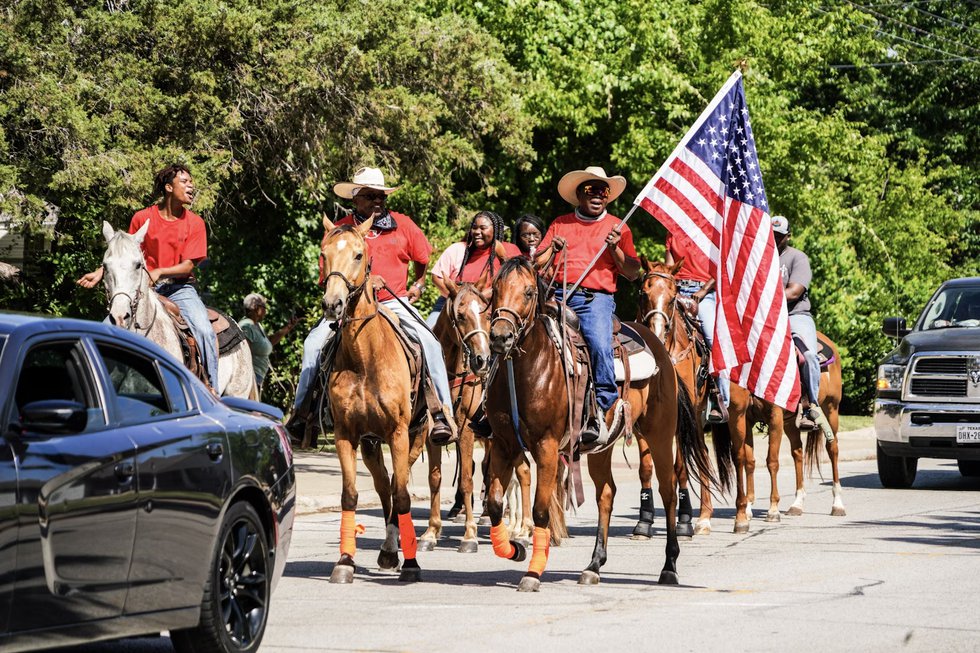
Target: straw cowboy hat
[
  {"x": 572, "y": 180},
  {"x": 363, "y": 178}
]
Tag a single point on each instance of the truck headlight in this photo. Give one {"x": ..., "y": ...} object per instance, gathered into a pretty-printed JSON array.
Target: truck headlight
[{"x": 890, "y": 379}]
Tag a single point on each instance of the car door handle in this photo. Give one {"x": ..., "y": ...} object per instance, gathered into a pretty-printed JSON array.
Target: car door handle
[
  {"x": 215, "y": 450},
  {"x": 124, "y": 472}
]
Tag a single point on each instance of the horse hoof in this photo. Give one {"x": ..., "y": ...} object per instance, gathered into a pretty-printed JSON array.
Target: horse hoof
[
  {"x": 772, "y": 516},
  {"x": 460, "y": 518},
  {"x": 520, "y": 552},
  {"x": 741, "y": 527},
  {"x": 410, "y": 575},
  {"x": 588, "y": 577},
  {"x": 484, "y": 520},
  {"x": 703, "y": 528},
  {"x": 669, "y": 578},
  {"x": 529, "y": 584},
  {"x": 342, "y": 574},
  {"x": 388, "y": 560},
  {"x": 642, "y": 531},
  {"x": 468, "y": 546},
  {"x": 838, "y": 511},
  {"x": 427, "y": 545},
  {"x": 685, "y": 529},
  {"x": 794, "y": 511}
]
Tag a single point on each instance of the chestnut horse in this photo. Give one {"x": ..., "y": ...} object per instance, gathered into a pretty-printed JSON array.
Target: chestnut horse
[
  {"x": 659, "y": 408},
  {"x": 779, "y": 421},
  {"x": 462, "y": 329},
  {"x": 370, "y": 387},
  {"x": 658, "y": 308}
]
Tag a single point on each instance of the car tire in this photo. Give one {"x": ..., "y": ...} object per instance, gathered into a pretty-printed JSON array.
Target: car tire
[
  {"x": 896, "y": 472},
  {"x": 969, "y": 468},
  {"x": 235, "y": 607}
]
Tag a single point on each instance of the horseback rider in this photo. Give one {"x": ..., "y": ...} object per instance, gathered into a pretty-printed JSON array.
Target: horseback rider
[
  {"x": 175, "y": 244},
  {"x": 581, "y": 234},
  {"x": 528, "y": 231},
  {"x": 795, "y": 268},
  {"x": 695, "y": 283},
  {"x": 393, "y": 242}
]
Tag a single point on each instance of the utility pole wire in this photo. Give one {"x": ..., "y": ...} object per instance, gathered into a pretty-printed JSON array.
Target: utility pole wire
[{"x": 911, "y": 27}]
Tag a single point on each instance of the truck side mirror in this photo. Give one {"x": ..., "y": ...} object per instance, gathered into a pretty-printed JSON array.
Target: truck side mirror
[{"x": 894, "y": 327}]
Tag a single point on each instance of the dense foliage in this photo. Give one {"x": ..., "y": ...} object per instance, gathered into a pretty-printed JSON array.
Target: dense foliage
[{"x": 485, "y": 104}]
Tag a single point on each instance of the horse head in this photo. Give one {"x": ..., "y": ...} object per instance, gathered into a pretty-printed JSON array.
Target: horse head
[
  {"x": 345, "y": 267},
  {"x": 658, "y": 296},
  {"x": 515, "y": 303},
  {"x": 124, "y": 274},
  {"x": 468, "y": 305}
]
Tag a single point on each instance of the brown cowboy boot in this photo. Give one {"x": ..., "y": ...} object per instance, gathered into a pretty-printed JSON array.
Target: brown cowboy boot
[{"x": 443, "y": 431}]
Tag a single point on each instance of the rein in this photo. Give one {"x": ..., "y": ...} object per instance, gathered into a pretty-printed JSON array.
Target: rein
[{"x": 133, "y": 304}]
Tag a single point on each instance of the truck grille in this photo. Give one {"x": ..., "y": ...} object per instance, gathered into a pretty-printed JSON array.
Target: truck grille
[{"x": 945, "y": 377}]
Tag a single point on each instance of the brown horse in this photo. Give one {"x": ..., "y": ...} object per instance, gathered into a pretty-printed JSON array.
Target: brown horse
[
  {"x": 659, "y": 407},
  {"x": 370, "y": 387},
  {"x": 463, "y": 330},
  {"x": 779, "y": 421},
  {"x": 659, "y": 309}
]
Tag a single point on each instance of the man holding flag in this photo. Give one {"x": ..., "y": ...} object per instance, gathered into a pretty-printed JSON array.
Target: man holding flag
[{"x": 710, "y": 196}]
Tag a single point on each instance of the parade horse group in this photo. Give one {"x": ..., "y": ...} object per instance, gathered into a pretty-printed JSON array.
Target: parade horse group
[{"x": 374, "y": 399}]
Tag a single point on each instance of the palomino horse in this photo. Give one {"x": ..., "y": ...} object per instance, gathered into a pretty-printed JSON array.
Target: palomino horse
[
  {"x": 779, "y": 421},
  {"x": 133, "y": 306},
  {"x": 462, "y": 329},
  {"x": 659, "y": 407},
  {"x": 658, "y": 309},
  {"x": 370, "y": 387}
]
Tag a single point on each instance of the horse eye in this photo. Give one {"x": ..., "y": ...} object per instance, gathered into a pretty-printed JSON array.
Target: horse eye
[
  {"x": 359, "y": 257},
  {"x": 528, "y": 293},
  {"x": 139, "y": 264}
]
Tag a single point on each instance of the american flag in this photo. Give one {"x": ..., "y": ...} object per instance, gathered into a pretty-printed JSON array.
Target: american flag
[{"x": 709, "y": 193}]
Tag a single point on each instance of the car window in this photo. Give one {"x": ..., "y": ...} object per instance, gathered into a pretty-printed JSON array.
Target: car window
[
  {"x": 176, "y": 392},
  {"x": 59, "y": 370},
  {"x": 953, "y": 307},
  {"x": 141, "y": 394}
]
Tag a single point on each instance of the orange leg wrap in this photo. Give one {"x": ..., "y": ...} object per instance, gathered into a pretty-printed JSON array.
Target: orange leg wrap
[
  {"x": 542, "y": 543},
  {"x": 348, "y": 532},
  {"x": 406, "y": 530},
  {"x": 501, "y": 545}
]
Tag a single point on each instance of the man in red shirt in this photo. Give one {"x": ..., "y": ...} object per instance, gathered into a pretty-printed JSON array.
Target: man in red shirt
[
  {"x": 393, "y": 242},
  {"x": 174, "y": 245},
  {"x": 583, "y": 233}
]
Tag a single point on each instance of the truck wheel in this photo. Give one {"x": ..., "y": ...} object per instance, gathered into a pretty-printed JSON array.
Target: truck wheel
[
  {"x": 896, "y": 472},
  {"x": 237, "y": 592},
  {"x": 969, "y": 467}
]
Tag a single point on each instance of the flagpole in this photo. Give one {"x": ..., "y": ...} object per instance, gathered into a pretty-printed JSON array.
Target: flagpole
[{"x": 595, "y": 258}]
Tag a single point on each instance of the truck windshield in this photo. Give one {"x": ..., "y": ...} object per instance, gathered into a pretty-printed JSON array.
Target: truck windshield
[{"x": 952, "y": 307}]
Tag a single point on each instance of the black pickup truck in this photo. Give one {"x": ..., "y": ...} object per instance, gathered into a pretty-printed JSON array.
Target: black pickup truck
[{"x": 927, "y": 403}]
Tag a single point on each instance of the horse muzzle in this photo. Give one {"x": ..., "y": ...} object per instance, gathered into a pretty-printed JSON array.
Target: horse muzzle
[
  {"x": 480, "y": 363},
  {"x": 502, "y": 340}
]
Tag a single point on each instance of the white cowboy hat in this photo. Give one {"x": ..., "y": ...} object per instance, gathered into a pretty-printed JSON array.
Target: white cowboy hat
[
  {"x": 572, "y": 180},
  {"x": 363, "y": 178}
]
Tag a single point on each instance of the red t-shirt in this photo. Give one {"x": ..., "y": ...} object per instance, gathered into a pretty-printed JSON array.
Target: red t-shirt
[
  {"x": 391, "y": 252},
  {"x": 477, "y": 263},
  {"x": 693, "y": 268},
  {"x": 169, "y": 242},
  {"x": 583, "y": 239}
]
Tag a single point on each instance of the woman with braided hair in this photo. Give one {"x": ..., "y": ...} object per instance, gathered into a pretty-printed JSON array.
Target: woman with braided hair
[{"x": 467, "y": 261}]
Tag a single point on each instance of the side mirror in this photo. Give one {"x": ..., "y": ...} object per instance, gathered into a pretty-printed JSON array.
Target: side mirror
[
  {"x": 894, "y": 327},
  {"x": 54, "y": 416}
]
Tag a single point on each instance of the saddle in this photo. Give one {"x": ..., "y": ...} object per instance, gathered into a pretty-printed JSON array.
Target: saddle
[{"x": 228, "y": 332}]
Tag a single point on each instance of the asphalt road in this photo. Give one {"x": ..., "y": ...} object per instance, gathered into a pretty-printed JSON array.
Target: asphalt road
[{"x": 900, "y": 572}]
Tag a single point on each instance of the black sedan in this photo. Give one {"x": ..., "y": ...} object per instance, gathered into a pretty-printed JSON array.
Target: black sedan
[{"x": 131, "y": 500}]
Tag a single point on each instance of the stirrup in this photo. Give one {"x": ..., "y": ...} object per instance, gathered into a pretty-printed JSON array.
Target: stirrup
[{"x": 816, "y": 413}]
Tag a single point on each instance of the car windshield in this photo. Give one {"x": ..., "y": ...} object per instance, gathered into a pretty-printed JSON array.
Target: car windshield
[{"x": 952, "y": 307}]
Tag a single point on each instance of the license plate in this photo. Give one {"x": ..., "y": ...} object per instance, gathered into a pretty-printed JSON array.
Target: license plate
[{"x": 968, "y": 434}]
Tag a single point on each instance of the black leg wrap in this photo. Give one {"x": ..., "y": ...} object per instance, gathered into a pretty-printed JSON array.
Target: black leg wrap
[
  {"x": 647, "y": 511},
  {"x": 684, "y": 499}
]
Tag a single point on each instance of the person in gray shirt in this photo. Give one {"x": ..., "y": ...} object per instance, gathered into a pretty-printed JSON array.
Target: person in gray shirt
[{"x": 795, "y": 268}]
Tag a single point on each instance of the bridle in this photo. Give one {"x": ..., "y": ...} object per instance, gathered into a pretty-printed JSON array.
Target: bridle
[
  {"x": 134, "y": 301},
  {"x": 518, "y": 321},
  {"x": 464, "y": 339},
  {"x": 669, "y": 319},
  {"x": 354, "y": 292}
]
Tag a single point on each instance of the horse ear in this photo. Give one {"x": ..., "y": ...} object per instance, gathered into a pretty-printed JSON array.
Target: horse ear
[
  {"x": 365, "y": 226},
  {"x": 677, "y": 266},
  {"x": 327, "y": 224},
  {"x": 451, "y": 286},
  {"x": 645, "y": 263},
  {"x": 141, "y": 232},
  {"x": 107, "y": 231}
]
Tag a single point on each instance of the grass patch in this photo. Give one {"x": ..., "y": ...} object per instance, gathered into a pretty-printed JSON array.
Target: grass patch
[{"x": 854, "y": 422}]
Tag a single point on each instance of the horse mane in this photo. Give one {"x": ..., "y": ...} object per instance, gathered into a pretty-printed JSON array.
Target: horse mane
[
  {"x": 119, "y": 242},
  {"x": 520, "y": 263}
]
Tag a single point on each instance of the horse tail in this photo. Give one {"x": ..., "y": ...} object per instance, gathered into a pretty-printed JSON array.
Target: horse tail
[
  {"x": 811, "y": 455},
  {"x": 690, "y": 439},
  {"x": 721, "y": 435},
  {"x": 556, "y": 510}
]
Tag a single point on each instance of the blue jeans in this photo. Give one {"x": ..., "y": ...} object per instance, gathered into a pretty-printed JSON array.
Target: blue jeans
[
  {"x": 706, "y": 314},
  {"x": 597, "y": 329},
  {"x": 410, "y": 321},
  {"x": 196, "y": 316},
  {"x": 436, "y": 311},
  {"x": 805, "y": 329}
]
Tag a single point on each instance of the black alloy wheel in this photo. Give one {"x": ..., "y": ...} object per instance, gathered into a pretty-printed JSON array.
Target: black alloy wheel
[{"x": 235, "y": 608}]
